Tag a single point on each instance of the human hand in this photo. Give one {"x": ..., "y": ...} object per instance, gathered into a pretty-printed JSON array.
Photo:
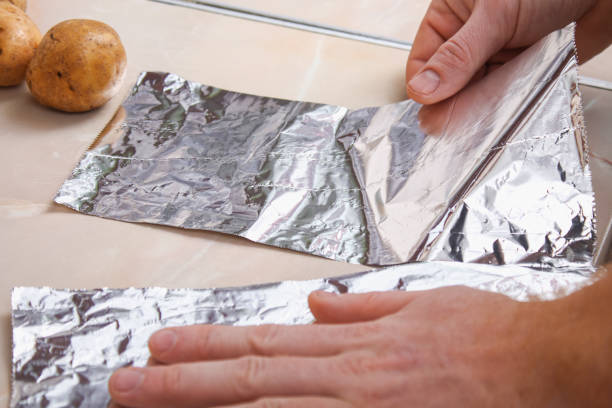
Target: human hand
[
  {"x": 460, "y": 40},
  {"x": 448, "y": 347}
]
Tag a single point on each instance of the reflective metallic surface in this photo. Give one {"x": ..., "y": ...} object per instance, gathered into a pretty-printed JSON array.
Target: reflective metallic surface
[
  {"x": 66, "y": 343},
  {"x": 497, "y": 174}
]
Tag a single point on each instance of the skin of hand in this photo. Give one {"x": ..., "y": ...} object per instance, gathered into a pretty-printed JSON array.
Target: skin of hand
[
  {"x": 460, "y": 40},
  {"x": 453, "y": 346}
]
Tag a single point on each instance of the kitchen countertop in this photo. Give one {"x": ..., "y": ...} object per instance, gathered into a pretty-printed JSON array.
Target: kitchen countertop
[{"x": 43, "y": 244}]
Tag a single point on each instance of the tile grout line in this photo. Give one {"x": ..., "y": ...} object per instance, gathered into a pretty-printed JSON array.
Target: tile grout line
[
  {"x": 288, "y": 22},
  {"x": 297, "y": 24}
]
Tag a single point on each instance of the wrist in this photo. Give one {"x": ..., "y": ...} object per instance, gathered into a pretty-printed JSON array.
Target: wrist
[{"x": 573, "y": 348}]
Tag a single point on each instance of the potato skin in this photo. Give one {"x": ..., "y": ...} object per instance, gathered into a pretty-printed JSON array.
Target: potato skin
[
  {"x": 78, "y": 66},
  {"x": 19, "y": 38},
  {"x": 22, "y": 4}
]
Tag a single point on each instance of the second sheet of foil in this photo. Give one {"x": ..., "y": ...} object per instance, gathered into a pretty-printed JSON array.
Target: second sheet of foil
[{"x": 67, "y": 343}]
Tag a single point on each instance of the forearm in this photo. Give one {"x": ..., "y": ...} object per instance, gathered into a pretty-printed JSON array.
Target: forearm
[{"x": 578, "y": 346}]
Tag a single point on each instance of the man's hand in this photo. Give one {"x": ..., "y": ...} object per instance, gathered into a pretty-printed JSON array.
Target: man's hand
[
  {"x": 454, "y": 347},
  {"x": 460, "y": 40}
]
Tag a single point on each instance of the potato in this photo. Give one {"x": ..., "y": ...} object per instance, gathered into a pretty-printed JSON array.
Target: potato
[
  {"x": 78, "y": 66},
  {"x": 22, "y": 4},
  {"x": 19, "y": 38}
]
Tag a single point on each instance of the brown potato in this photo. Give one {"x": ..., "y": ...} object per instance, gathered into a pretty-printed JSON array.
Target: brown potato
[
  {"x": 78, "y": 66},
  {"x": 22, "y": 4},
  {"x": 19, "y": 38}
]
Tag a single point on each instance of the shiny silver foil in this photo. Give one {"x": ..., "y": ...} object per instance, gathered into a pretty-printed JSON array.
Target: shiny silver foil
[
  {"x": 498, "y": 174},
  {"x": 66, "y": 343}
]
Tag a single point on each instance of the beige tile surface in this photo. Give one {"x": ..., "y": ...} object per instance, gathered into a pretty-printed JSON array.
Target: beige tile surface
[
  {"x": 396, "y": 19},
  {"x": 44, "y": 244},
  {"x": 597, "y": 106}
]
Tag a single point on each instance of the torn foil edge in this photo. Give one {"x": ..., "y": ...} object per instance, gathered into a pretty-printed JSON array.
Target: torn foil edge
[
  {"x": 363, "y": 220},
  {"x": 66, "y": 343}
]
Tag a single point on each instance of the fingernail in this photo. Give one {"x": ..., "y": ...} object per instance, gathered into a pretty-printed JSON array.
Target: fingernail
[
  {"x": 425, "y": 83},
  {"x": 162, "y": 341},
  {"x": 126, "y": 380}
]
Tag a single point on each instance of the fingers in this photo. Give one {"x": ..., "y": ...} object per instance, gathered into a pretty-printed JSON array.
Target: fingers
[
  {"x": 440, "y": 66},
  {"x": 206, "y": 342},
  {"x": 594, "y": 31},
  {"x": 438, "y": 25},
  {"x": 350, "y": 308},
  {"x": 298, "y": 402},
  {"x": 223, "y": 382}
]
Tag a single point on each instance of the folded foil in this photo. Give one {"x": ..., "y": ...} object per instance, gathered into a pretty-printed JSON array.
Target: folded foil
[
  {"x": 497, "y": 174},
  {"x": 66, "y": 343}
]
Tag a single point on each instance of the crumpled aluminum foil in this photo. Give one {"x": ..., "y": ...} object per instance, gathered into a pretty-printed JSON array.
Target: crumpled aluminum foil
[
  {"x": 66, "y": 343},
  {"x": 497, "y": 174}
]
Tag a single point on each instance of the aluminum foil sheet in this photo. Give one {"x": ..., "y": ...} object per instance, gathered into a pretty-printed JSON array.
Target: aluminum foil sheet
[
  {"x": 66, "y": 343},
  {"x": 497, "y": 174}
]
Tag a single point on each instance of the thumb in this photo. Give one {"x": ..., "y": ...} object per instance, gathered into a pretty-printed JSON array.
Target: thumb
[
  {"x": 349, "y": 308},
  {"x": 457, "y": 60}
]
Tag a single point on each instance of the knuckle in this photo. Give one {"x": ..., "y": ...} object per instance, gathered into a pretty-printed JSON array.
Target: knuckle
[
  {"x": 366, "y": 331},
  {"x": 249, "y": 372},
  {"x": 354, "y": 365},
  {"x": 171, "y": 381},
  {"x": 262, "y": 339},
  {"x": 364, "y": 368},
  {"x": 370, "y": 299},
  {"x": 397, "y": 358},
  {"x": 406, "y": 357},
  {"x": 204, "y": 343},
  {"x": 456, "y": 53}
]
